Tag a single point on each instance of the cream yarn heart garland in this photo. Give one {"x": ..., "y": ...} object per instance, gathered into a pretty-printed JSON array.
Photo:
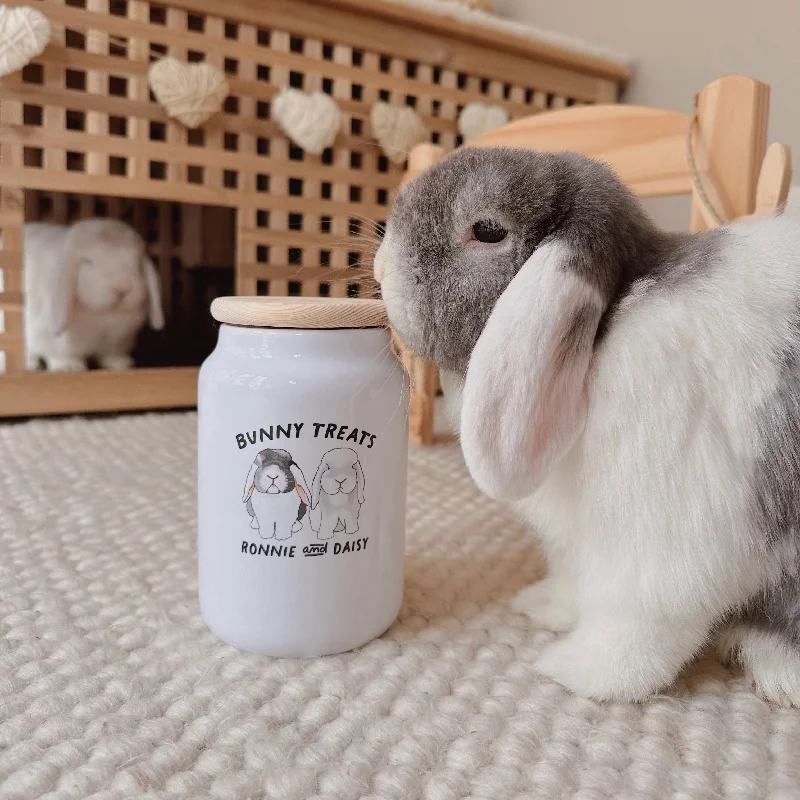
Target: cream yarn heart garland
[
  {"x": 191, "y": 93},
  {"x": 311, "y": 121},
  {"x": 24, "y": 34},
  {"x": 397, "y": 129},
  {"x": 476, "y": 119}
]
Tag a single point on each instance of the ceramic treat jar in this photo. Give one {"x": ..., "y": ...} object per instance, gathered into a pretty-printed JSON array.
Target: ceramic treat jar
[{"x": 302, "y": 452}]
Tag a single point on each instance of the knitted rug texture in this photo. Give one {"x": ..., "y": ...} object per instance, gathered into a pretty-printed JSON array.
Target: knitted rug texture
[{"x": 112, "y": 687}]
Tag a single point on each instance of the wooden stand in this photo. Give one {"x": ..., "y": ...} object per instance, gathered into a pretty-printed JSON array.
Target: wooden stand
[{"x": 79, "y": 121}]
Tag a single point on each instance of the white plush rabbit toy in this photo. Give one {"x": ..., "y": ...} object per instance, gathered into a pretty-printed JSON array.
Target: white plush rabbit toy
[
  {"x": 634, "y": 394},
  {"x": 89, "y": 290}
]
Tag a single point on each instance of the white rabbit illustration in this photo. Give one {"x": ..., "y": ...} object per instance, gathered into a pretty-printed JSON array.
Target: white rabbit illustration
[
  {"x": 337, "y": 493},
  {"x": 276, "y": 495},
  {"x": 89, "y": 289}
]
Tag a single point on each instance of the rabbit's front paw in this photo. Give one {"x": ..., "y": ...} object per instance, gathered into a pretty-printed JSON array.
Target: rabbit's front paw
[
  {"x": 116, "y": 362},
  {"x": 589, "y": 671},
  {"x": 551, "y": 603},
  {"x": 65, "y": 364},
  {"x": 770, "y": 661},
  {"x": 616, "y": 658}
]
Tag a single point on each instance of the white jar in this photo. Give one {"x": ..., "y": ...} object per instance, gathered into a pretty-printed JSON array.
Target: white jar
[{"x": 302, "y": 452}]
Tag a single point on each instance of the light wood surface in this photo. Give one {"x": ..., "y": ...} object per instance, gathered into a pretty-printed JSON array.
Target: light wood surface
[
  {"x": 530, "y": 48},
  {"x": 644, "y": 146},
  {"x": 774, "y": 179},
  {"x": 729, "y": 142},
  {"x": 300, "y": 312},
  {"x": 27, "y": 394}
]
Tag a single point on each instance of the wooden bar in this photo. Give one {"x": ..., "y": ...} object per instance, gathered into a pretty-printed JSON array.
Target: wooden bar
[{"x": 47, "y": 393}]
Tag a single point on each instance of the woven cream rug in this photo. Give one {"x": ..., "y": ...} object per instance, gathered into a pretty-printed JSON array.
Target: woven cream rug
[{"x": 111, "y": 686}]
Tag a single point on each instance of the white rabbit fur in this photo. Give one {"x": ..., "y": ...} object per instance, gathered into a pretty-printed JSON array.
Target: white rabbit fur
[
  {"x": 337, "y": 493},
  {"x": 657, "y": 456},
  {"x": 89, "y": 290}
]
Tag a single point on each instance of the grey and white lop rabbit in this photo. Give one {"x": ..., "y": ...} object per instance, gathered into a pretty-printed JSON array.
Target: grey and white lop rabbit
[{"x": 634, "y": 394}]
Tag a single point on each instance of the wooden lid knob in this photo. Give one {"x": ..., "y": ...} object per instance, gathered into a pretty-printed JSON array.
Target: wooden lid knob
[{"x": 300, "y": 312}]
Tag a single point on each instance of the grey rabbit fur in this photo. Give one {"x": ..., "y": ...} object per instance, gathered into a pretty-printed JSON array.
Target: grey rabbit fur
[{"x": 634, "y": 394}]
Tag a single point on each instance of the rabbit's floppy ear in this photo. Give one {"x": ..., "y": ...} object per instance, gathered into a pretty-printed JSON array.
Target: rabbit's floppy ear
[
  {"x": 248, "y": 484},
  {"x": 317, "y": 485},
  {"x": 359, "y": 482},
  {"x": 155, "y": 311},
  {"x": 62, "y": 285},
  {"x": 300, "y": 483},
  {"x": 524, "y": 401}
]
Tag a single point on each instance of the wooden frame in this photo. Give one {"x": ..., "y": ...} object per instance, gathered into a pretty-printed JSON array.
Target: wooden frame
[
  {"x": 734, "y": 175},
  {"x": 80, "y": 121}
]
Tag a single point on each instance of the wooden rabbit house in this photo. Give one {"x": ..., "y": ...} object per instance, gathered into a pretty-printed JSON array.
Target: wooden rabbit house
[{"x": 233, "y": 205}]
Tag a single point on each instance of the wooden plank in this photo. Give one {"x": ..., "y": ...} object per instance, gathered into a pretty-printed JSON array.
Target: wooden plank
[
  {"x": 646, "y": 147},
  {"x": 309, "y": 237},
  {"x": 113, "y": 185},
  {"x": 119, "y": 106},
  {"x": 452, "y": 27},
  {"x": 424, "y": 382},
  {"x": 774, "y": 180},
  {"x": 293, "y": 272},
  {"x": 137, "y": 123},
  {"x": 97, "y": 83},
  {"x": 729, "y": 143},
  {"x": 502, "y": 64},
  {"x": 342, "y": 87},
  {"x": 413, "y": 33},
  {"x": 174, "y": 153},
  {"x": 47, "y": 393}
]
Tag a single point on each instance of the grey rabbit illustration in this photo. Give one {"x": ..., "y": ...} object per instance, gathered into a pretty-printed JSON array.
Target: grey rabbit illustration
[
  {"x": 337, "y": 493},
  {"x": 275, "y": 494},
  {"x": 635, "y": 394}
]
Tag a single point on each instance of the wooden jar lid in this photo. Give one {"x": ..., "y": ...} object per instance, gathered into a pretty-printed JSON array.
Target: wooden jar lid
[{"x": 300, "y": 312}]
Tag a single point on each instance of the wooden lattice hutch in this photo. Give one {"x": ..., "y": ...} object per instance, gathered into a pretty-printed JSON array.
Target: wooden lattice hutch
[{"x": 80, "y": 135}]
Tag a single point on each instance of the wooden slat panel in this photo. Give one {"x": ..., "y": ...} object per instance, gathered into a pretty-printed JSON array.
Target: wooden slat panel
[
  {"x": 296, "y": 212},
  {"x": 646, "y": 147}
]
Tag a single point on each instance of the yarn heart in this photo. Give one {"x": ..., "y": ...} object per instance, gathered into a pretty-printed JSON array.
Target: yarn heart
[
  {"x": 476, "y": 119},
  {"x": 191, "y": 93},
  {"x": 311, "y": 121},
  {"x": 397, "y": 129},
  {"x": 24, "y": 34}
]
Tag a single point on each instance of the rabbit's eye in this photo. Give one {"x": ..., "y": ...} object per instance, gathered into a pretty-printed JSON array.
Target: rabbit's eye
[{"x": 489, "y": 232}]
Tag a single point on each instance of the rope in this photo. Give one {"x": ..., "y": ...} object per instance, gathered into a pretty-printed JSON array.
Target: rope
[{"x": 696, "y": 178}]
